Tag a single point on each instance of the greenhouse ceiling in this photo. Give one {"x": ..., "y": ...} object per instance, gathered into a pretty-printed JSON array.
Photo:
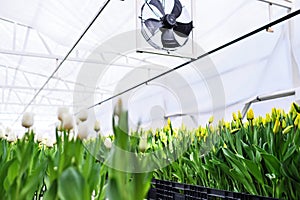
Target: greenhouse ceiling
[{"x": 79, "y": 53}]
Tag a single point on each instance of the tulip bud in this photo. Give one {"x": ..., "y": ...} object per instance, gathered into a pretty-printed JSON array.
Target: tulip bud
[
  {"x": 234, "y": 117},
  {"x": 67, "y": 121},
  {"x": 27, "y": 120},
  {"x": 234, "y": 131},
  {"x": 287, "y": 129},
  {"x": 274, "y": 113},
  {"x": 169, "y": 122},
  {"x": 49, "y": 142},
  {"x": 297, "y": 119},
  {"x": 83, "y": 131},
  {"x": 240, "y": 115},
  {"x": 61, "y": 111},
  {"x": 283, "y": 124},
  {"x": 39, "y": 137},
  {"x": 97, "y": 126},
  {"x": 143, "y": 145},
  {"x": 268, "y": 118},
  {"x": 83, "y": 115},
  {"x": 118, "y": 108},
  {"x": 250, "y": 114},
  {"x": 11, "y": 136},
  {"x": 276, "y": 126},
  {"x": 108, "y": 143},
  {"x": 78, "y": 121},
  {"x": 211, "y": 120},
  {"x": 2, "y": 134}
]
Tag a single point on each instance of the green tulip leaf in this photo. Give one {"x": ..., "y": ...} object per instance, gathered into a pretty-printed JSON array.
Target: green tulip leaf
[{"x": 71, "y": 185}]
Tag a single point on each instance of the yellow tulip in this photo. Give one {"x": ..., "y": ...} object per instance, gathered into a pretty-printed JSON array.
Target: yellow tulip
[
  {"x": 250, "y": 114},
  {"x": 274, "y": 113},
  {"x": 296, "y": 107},
  {"x": 234, "y": 117},
  {"x": 169, "y": 122},
  {"x": 234, "y": 131},
  {"x": 268, "y": 118},
  {"x": 211, "y": 120},
  {"x": 297, "y": 119},
  {"x": 276, "y": 126},
  {"x": 287, "y": 129},
  {"x": 283, "y": 124},
  {"x": 240, "y": 115}
]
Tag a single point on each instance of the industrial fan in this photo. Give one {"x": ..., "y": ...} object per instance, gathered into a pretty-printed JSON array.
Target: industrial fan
[{"x": 161, "y": 26}]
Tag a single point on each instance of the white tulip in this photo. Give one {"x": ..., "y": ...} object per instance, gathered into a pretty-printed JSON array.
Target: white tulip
[
  {"x": 83, "y": 131},
  {"x": 83, "y": 115},
  {"x": 67, "y": 121},
  {"x": 27, "y": 120},
  {"x": 97, "y": 126},
  {"x": 2, "y": 134},
  {"x": 8, "y": 131},
  {"x": 143, "y": 145},
  {"x": 61, "y": 111},
  {"x": 108, "y": 143},
  {"x": 78, "y": 121},
  {"x": 11, "y": 136},
  {"x": 39, "y": 137},
  {"x": 49, "y": 142},
  {"x": 118, "y": 108}
]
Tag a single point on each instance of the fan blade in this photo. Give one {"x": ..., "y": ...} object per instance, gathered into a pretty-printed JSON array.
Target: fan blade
[
  {"x": 153, "y": 25},
  {"x": 177, "y": 9},
  {"x": 168, "y": 39},
  {"x": 158, "y": 5},
  {"x": 183, "y": 29}
]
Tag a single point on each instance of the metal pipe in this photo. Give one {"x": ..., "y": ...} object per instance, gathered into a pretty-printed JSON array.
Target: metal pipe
[{"x": 266, "y": 98}]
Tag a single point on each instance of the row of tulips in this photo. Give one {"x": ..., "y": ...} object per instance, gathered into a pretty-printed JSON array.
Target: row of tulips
[
  {"x": 258, "y": 156},
  {"x": 73, "y": 166},
  {"x": 32, "y": 170}
]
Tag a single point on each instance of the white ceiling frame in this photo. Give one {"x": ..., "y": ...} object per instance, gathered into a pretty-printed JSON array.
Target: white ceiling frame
[
  {"x": 58, "y": 78},
  {"x": 44, "y": 43},
  {"x": 282, "y": 3},
  {"x": 27, "y": 80},
  {"x": 18, "y": 96},
  {"x": 72, "y": 59},
  {"x": 46, "y": 105},
  {"x": 19, "y": 63},
  {"x": 54, "y": 89}
]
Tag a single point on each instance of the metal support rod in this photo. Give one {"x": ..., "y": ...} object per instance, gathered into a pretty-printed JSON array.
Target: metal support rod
[{"x": 266, "y": 98}]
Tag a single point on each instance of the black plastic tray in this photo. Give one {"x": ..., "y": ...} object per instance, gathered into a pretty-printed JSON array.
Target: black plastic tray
[{"x": 168, "y": 190}]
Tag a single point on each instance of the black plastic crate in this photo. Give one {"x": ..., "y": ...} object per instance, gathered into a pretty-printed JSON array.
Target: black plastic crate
[{"x": 168, "y": 190}]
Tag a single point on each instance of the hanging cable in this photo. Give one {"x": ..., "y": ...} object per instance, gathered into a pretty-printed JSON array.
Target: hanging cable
[
  {"x": 64, "y": 59},
  {"x": 282, "y": 19}
]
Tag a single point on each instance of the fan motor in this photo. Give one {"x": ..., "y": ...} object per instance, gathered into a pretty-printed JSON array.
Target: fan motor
[{"x": 169, "y": 21}]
